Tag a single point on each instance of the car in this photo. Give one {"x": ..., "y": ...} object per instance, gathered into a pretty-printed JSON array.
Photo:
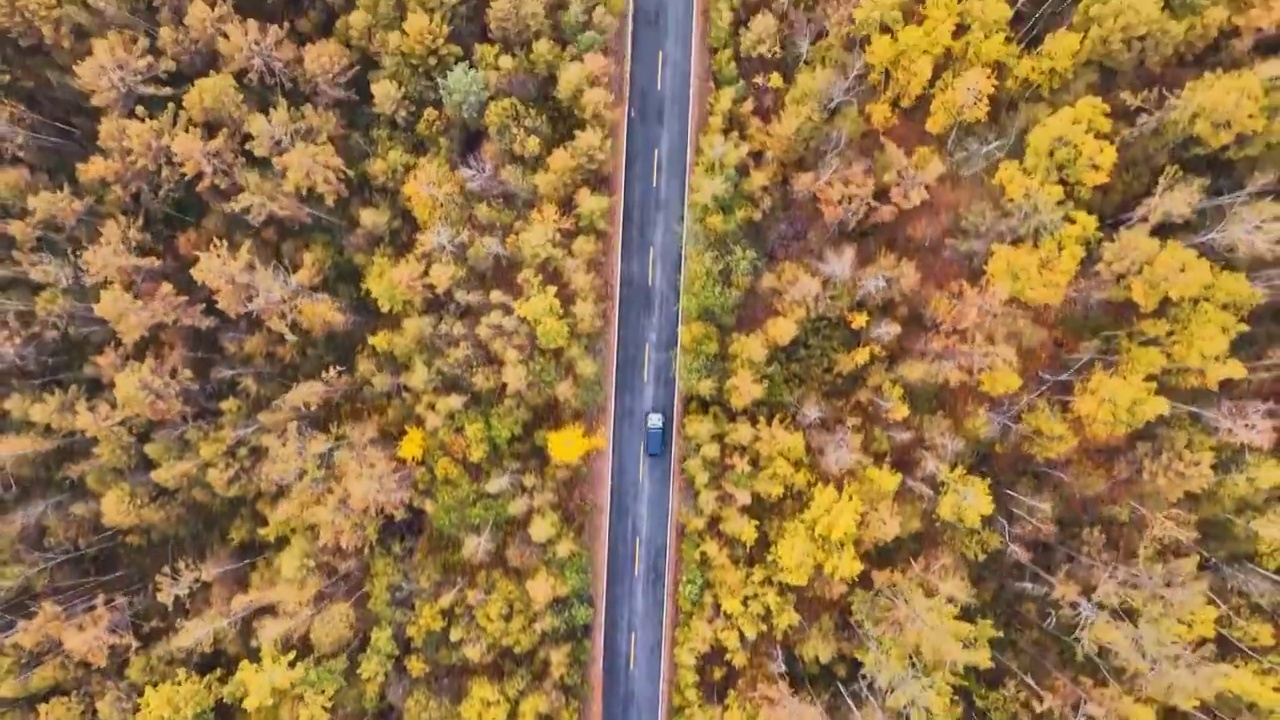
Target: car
[{"x": 653, "y": 423}]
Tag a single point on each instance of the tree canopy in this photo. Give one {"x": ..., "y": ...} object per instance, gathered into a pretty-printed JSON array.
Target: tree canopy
[
  {"x": 979, "y": 362},
  {"x": 301, "y": 332}
]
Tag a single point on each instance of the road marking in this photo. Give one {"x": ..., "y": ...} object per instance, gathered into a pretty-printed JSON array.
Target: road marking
[
  {"x": 636, "y": 572},
  {"x": 642, "y": 461},
  {"x": 633, "y": 650},
  {"x": 659, "y": 69},
  {"x": 668, "y": 556},
  {"x": 617, "y": 276},
  {"x": 655, "y": 167},
  {"x": 650, "y": 266},
  {"x": 646, "y": 362}
]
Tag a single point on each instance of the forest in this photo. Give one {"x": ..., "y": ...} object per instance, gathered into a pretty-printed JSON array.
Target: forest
[
  {"x": 301, "y": 341},
  {"x": 979, "y": 362}
]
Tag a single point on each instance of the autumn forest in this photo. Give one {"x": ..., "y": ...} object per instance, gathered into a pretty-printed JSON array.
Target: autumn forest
[
  {"x": 978, "y": 362},
  {"x": 303, "y": 358},
  {"x": 302, "y": 313}
]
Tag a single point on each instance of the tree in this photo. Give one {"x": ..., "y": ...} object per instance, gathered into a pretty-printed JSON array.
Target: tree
[
  {"x": 1068, "y": 149},
  {"x": 215, "y": 99},
  {"x": 327, "y": 68},
  {"x": 464, "y": 92},
  {"x": 1110, "y": 405},
  {"x": 63, "y": 707},
  {"x": 1051, "y": 64},
  {"x": 1040, "y": 274},
  {"x": 517, "y": 22},
  {"x": 413, "y": 445},
  {"x": 965, "y": 499},
  {"x": 568, "y": 445},
  {"x": 1219, "y": 109},
  {"x": 484, "y": 701},
  {"x": 760, "y": 38},
  {"x": 542, "y": 310},
  {"x": 915, "y": 643},
  {"x": 119, "y": 69},
  {"x": 186, "y": 697},
  {"x": 963, "y": 98},
  {"x": 261, "y": 51}
]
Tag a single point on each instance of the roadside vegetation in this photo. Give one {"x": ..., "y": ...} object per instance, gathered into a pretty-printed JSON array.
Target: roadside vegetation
[
  {"x": 979, "y": 362},
  {"x": 302, "y": 312}
]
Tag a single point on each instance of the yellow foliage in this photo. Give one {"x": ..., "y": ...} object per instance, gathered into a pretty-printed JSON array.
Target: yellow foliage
[
  {"x": 569, "y": 444},
  {"x": 1221, "y": 108},
  {"x": 1051, "y": 63},
  {"x": 1198, "y": 624},
  {"x": 413, "y": 445},
  {"x": 333, "y": 628},
  {"x": 823, "y": 536},
  {"x": 744, "y": 388},
  {"x": 186, "y": 696},
  {"x": 1176, "y": 272},
  {"x": 781, "y": 330},
  {"x": 856, "y": 358},
  {"x": 965, "y": 500},
  {"x": 893, "y": 402},
  {"x": 1040, "y": 274},
  {"x": 1111, "y": 405},
  {"x": 63, "y": 707},
  {"x": 961, "y": 98},
  {"x": 431, "y": 192},
  {"x": 1266, "y": 530},
  {"x": 1068, "y": 150},
  {"x": 933, "y": 645},
  {"x": 999, "y": 381},
  {"x": 268, "y": 683},
  {"x": 1252, "y": 683}
]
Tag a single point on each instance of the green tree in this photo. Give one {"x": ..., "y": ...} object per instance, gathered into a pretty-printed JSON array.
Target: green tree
[{"x": 464, "y": 92}]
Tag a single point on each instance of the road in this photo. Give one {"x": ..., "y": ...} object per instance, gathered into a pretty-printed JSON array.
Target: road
[{"x": 653, "y": 209}]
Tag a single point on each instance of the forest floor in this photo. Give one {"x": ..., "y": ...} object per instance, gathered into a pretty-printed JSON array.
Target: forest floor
[{"x": 598, "y": 469}]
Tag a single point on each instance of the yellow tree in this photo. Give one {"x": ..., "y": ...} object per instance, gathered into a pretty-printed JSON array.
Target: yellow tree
[
  {"x": 413, "y": 445},
  {"x": 186, "y": 696},
  {"x": 569, "y": 444},
  {"x": 1049, "y": 65},
  {"x": 963, "y": 98},
  {"x": 965, "y": 499},
  {"x": 915, "y": 646},
  {"x": 1111, "y": 404},
  {"x": 1067, "y": 150},
  {"x": 1039, "y": 274},
  {"x": 1223, "y": 108}
]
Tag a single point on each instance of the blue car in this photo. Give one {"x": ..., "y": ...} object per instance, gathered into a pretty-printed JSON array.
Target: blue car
[{"x": 653, "y": 433}]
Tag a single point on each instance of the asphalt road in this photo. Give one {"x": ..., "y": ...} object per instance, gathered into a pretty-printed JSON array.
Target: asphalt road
[{"x": 640, "y": 511}]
